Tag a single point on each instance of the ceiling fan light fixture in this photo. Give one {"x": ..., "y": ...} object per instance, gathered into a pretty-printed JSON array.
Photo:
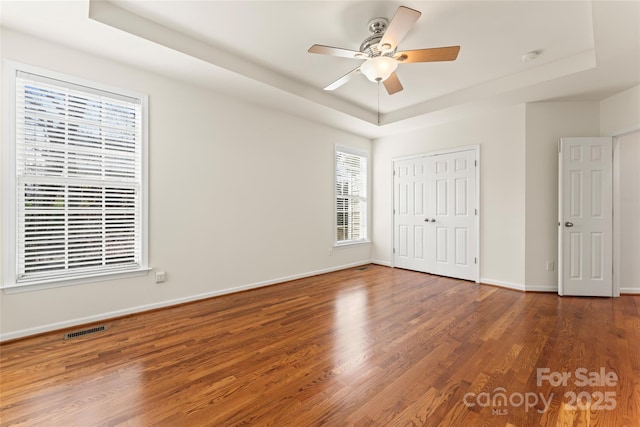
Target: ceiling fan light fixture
[{"x": 379, "y": 69}]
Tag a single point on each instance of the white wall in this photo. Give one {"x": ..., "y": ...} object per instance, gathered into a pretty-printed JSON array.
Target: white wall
[
  {"x": 627, "y": 213},
  {"x": 239, "y": 196},
  {"x": 500, "y": 135},
  {"x": 546, "y": 123},
  {"x": 620, "y": 112}
]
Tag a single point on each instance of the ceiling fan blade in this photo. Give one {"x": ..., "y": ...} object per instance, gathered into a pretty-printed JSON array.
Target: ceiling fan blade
[
  {"x": 434, "y": 54},
  {"x": 336, "y": 51},
  {"x": 342, "y": 80},
  {"x": 392, "y": 84},
  {"x": 399, "y": 27}
]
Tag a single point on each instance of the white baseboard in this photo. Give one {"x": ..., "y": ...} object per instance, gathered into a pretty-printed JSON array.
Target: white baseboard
[
  {"x": 379, "y": 262},
  {"x": 502, "y": 284},
  {"x": 167, "y": 303},
  {"x": 542, "y": 288},
  {"x": 634, "y": 290},
  {"x": 520, "y": 287}
]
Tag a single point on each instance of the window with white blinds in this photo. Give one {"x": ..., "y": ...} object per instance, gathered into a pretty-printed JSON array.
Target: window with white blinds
[
  {"x": 78, "y": 180},
  {"x": 351, "y": 195}
]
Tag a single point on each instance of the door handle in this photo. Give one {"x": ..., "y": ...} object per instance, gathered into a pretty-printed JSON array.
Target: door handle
[
  {"x": 433, "y": 220},
  {"x": 568, "y": 224},
  {"x": 426, "y": 220}
]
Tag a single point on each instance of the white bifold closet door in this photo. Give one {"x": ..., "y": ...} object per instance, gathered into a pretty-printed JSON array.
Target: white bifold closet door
[{"x": 435, "y": 214}]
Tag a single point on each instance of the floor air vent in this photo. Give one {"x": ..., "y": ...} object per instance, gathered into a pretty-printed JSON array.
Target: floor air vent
[
  {"x": 364, "y": 267},
  {"x": 84, "y": 332}
]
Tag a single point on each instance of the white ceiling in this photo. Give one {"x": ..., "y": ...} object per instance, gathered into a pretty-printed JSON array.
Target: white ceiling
[{"x": 257, "y": 51}]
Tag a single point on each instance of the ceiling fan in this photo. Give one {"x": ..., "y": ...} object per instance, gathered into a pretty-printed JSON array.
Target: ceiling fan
[{"x": 379, "y": 51}]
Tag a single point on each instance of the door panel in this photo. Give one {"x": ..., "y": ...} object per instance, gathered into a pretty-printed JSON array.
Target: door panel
[
  {"x": 453, "y": 179},
  {"x": 402, "y": 247},
  {"x": 462, "y": 242},
  {"x": 441, "y": 197},
  {"x": 585, "y": 217},
  {"x": 441, "y": 245},
  {"x": 409, "y": 215},
  {"x": 575, "y": 263},
  {"x": 575, "y": 194},
  {"x": 418, "y": 242},
  {"x": 461, "y": 199},
  {"x": 597, "y": 256}
]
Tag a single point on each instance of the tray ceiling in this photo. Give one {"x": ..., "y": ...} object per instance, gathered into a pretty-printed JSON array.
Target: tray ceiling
[{"x": 257, "y": 50}]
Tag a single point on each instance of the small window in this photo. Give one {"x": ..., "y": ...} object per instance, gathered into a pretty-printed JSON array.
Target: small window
[
  {"x": 77, "y": 173},
  {"x": 351, "y": 196}
]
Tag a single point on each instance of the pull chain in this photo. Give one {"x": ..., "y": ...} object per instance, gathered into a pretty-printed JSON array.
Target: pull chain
[{"x": 378, "y": 102}]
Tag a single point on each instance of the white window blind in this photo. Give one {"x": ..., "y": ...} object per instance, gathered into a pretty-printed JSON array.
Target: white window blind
[
  {"x": 78, "y": 155},
  {"x": 351, "y": 196}
]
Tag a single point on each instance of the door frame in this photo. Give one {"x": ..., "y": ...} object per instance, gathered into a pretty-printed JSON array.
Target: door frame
[{"x": 476, "y": 149}]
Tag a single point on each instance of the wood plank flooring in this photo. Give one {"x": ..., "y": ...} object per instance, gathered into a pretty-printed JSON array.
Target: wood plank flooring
[{"x": 360, "y": 347}]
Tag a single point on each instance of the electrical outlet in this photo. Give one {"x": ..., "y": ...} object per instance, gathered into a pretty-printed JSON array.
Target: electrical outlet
[
  {"x": 550, "y": 265},
  {"x": 161, "y": 276}
]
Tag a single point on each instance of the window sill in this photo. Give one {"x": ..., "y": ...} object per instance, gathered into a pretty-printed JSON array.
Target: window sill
[
  {"x": 38, "y": 285},
  {"x": 353, "y": 243}
]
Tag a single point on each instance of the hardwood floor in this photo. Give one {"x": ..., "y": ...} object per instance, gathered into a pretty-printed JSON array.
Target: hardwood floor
[{"x": 374, "y": 346}]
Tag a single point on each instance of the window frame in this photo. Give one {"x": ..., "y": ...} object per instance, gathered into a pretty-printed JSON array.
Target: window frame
[
  {"x": 364, "y": 228},
  {"x": 9, "y": 282}
]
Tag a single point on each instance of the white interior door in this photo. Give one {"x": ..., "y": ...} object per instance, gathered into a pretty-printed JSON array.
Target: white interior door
[
  {"x": 452, "y": 213},
  {"x": 410, "y": 207},
  {"x": 585, "y": 217},
  {"x": 435, "y": 214}
]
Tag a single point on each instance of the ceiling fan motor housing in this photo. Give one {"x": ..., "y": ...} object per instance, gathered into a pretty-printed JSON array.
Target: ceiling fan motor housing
[{"x": 370, "y": 45}]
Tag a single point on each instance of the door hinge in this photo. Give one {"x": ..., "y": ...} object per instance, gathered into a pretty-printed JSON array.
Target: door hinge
[
  {"x": 475, "y": 260},
  {"x": 476, "y": 211},
  {"x": 394, "y": 250},
  {"x": 475, "y": 163},
  {"x": 394, "y": 172}
]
